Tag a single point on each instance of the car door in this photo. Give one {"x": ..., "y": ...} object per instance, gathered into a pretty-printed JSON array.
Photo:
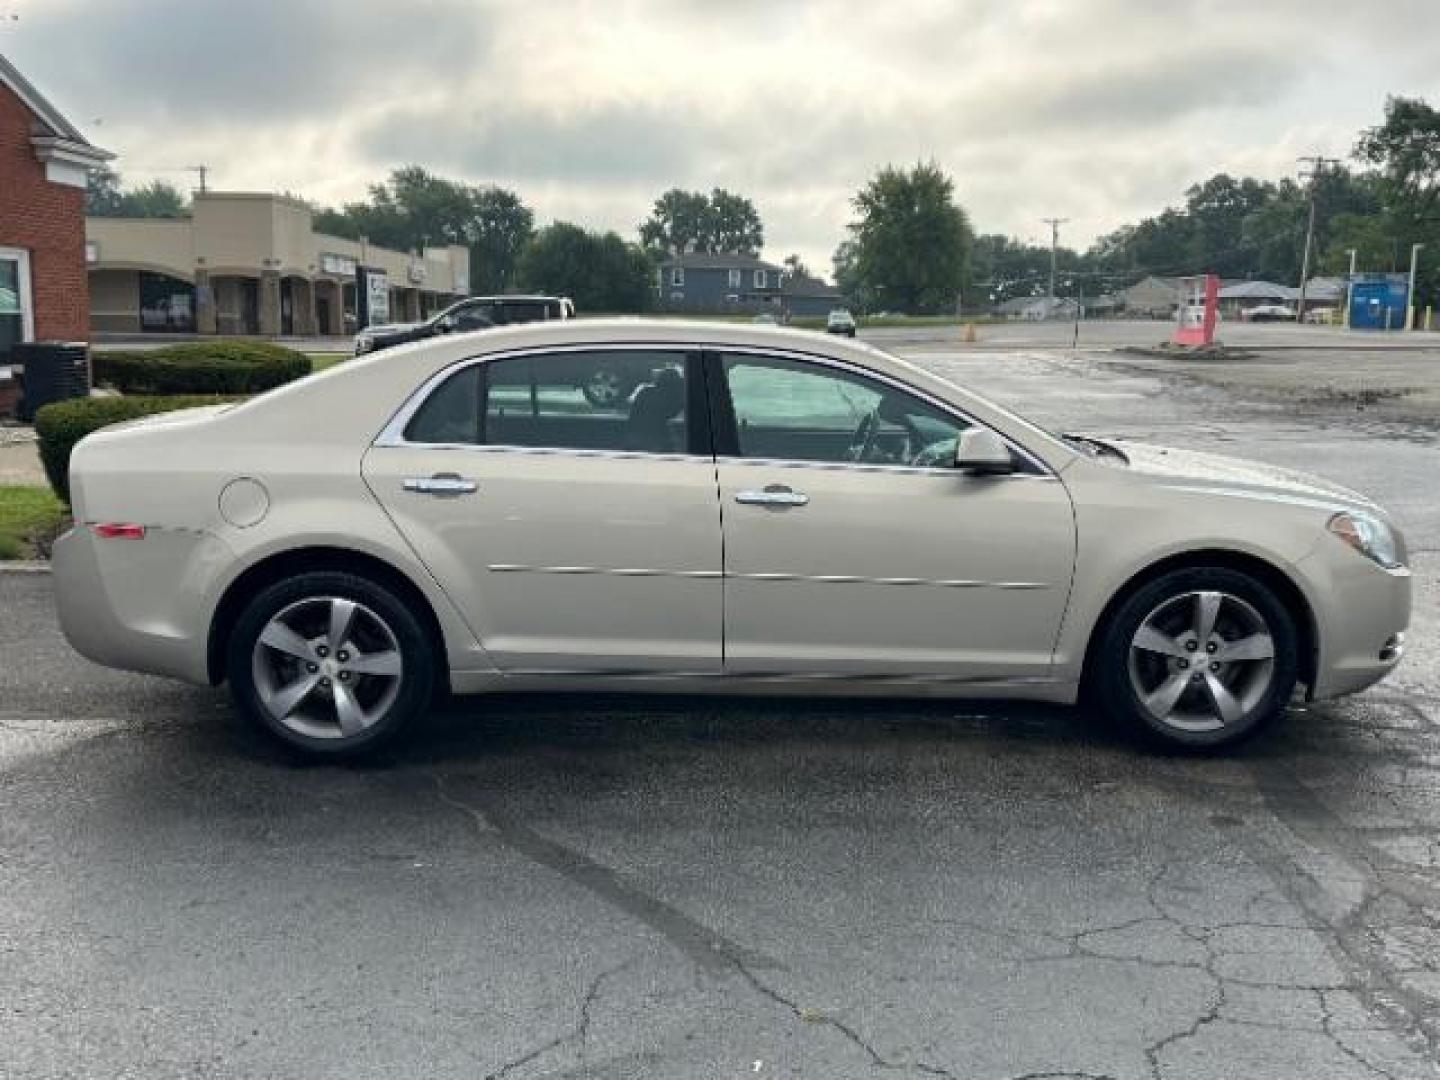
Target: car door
[
  {"x": 573, "y": 537},
  {"x": 854, "y": 548}
]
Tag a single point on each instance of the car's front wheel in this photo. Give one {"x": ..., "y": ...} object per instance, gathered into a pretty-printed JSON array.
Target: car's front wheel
[
  {"x": 1199, "y": 658},
  {"x": 331, "y": 663}
]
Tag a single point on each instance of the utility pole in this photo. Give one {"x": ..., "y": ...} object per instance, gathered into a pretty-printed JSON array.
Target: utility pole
[
  {"x": 200, "y": 170},
  {"x": 1410, "y": 293},
  {"x": 1316, "y": 163},
  {"x": 1054, "y": 223}
]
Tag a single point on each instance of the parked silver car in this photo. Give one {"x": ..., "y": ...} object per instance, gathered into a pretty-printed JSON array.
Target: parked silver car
[{"x": 771, "y": 511}]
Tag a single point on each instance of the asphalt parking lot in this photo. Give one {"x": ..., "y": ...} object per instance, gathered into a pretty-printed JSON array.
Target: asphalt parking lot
[{"x": 629, "y": 887}]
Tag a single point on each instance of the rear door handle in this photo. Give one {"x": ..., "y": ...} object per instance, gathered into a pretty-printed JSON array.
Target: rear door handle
[
  {"x": 773, "y": 495},
  {"x": 443, "y": 485}
]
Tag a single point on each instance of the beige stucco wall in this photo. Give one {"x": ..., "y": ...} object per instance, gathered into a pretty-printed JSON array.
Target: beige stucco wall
[
  {"x": 242, "y": 233},
  {"x": 166, "y": 246},
  {"x": 115, "y": 300}
]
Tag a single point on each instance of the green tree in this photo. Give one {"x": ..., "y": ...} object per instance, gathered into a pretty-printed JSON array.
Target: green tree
[
  {"x": 846, "y": 271},
  {"x": 678, "y": 222},
  {"x": 912, "y": 240},
  {"x": 104, "y": 197},
  {"x": 501, "y": 226},
  {"x": 415, "y": 208},
  {"x": 156, "y": 199},
  {"x": 719, "y": 223},
  {"x": 599, "y": 271},
  {"x": 102, "y": 192},
  {"x": 1003, "y": 269},
  {"x": 734, "y": 225},
  {"x": 1217, "y": 210},
  {"x": 1405, "y": 149}
]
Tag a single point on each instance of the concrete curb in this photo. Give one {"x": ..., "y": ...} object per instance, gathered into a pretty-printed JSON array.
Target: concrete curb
[{"x": 24, "y": 566}]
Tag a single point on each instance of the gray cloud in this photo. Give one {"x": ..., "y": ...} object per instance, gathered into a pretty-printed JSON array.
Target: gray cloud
[{"x": 1101, "y": 111}]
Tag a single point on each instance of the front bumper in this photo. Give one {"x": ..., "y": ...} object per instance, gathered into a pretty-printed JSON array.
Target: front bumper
[
  {"x": 140, "y": 605},
  {"x": 1361, "y": 612}
]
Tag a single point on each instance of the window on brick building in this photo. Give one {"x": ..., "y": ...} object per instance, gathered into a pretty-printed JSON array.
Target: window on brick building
[{"x": 17, "y": 313}]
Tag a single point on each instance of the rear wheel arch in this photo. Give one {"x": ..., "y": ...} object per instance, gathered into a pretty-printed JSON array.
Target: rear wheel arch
[
  {"x": 1267, "y": 573},
  {"x": 287, "y": 564}
]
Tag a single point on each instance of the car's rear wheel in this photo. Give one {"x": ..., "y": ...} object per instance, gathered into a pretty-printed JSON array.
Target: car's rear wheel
[
  {"x": 331, "y": 663},
  {"x": 1198, "y": 658}
]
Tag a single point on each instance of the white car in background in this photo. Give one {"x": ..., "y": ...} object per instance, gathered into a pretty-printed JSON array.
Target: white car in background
[
  {"x": 1270, "y": 313},
  {"x": 840, "y": 321},
  {"x": 772, "y": 511}
]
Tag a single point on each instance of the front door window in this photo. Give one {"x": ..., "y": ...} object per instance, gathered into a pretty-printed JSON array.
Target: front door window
[{"x": 795, "y": 411}]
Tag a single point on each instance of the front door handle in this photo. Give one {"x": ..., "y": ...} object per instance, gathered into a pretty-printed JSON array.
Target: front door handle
[
  {"x": 773, "y": 495},
  {"x": 443, "y": 485}
]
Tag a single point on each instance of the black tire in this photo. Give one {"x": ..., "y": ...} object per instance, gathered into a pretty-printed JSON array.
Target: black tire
[
  {"x": 397, "y": 714},
  {"x": 1110, "y": 673}
]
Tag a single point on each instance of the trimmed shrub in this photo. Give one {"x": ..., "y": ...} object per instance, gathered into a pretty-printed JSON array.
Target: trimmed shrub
[
  {"x": 64, "y": 423},
  {"x": 208, "y": 367}
]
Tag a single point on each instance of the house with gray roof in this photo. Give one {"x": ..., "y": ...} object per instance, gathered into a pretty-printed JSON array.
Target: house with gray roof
[
  {"x": 805, "y": 297},
  {"x": 705, "y": 284}
]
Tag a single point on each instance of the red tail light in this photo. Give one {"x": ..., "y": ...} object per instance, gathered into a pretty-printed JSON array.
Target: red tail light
[{"x": 114, "y": 531}]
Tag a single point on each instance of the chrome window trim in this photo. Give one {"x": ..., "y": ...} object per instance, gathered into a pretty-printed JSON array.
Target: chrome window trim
[{"x": 393, "y": 434}]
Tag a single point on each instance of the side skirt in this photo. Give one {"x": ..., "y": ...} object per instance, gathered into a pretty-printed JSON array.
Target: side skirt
[{"x": 1058, "y": 691}]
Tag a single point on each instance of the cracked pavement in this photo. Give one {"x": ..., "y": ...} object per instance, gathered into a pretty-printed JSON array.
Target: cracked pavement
[{"x": 629, "y": 887}]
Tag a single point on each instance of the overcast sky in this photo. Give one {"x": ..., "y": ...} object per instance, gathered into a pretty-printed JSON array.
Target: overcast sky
[{"x": 1101, "y": 111}]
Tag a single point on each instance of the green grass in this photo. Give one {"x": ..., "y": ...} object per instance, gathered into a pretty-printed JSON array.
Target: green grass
[
  {"x": 28, "y": 513},
  {"x": 319, "y": 361}
]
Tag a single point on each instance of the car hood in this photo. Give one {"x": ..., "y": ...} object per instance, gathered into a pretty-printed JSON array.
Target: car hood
[{"x": 1237, "y": 476}]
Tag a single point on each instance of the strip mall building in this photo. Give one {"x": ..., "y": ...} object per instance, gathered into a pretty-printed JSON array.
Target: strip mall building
[{"x": 253, "y": 264}]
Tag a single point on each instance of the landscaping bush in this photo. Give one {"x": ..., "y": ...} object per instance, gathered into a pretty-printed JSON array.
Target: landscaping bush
[
  {"x": 209, "y": 367},
  {"x": 63, "y": 424}
]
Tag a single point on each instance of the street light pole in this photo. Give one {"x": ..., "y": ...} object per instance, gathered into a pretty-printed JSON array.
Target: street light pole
[{"x": 1410, "y": 293}]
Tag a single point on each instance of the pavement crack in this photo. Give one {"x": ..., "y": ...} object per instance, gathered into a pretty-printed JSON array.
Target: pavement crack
[
  {"x": 707, "y": 949},
  {"x": 810, "y": 1016},
  {"x": 578, "y": 1035}
]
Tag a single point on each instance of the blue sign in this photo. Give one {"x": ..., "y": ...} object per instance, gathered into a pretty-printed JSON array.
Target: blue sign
[{"x": 1378, "y": 301}]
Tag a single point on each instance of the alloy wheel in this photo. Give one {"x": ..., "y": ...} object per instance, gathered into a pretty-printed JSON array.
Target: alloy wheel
[
  {"x": 327, "y": 667},
  {"x": 1202, "y": 661}
]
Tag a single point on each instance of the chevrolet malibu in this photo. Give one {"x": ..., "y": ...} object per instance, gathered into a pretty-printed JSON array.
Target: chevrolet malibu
[{"x": 767, "y": 511}]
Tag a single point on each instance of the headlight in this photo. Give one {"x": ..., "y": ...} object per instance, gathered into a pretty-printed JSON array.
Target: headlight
[{"x": 1369, "y": 536}]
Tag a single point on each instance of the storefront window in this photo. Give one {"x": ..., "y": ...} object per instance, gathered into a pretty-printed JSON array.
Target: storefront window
[{"x": 167, "y": 304}]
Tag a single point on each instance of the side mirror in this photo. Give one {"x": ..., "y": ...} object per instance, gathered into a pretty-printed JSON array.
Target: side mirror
[{"x": 983, "y": 453}]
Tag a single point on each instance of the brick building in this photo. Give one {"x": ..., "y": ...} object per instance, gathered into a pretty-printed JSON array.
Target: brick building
[{"x": 44, "y": 160}]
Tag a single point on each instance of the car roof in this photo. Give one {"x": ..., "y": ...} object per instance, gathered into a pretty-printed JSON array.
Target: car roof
[
  {"x": 511, "y": 297},
  {"x": 640, "y": 331}
]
